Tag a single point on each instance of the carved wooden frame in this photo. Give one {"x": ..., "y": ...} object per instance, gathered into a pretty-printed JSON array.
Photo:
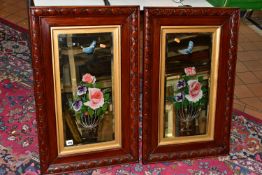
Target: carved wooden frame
[
  {"x": 41, "y": 19},
  {"x": 154, "y": 18}
]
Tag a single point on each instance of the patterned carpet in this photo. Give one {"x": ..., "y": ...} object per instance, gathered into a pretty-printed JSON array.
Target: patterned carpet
[{"x": 18, "y": 135}]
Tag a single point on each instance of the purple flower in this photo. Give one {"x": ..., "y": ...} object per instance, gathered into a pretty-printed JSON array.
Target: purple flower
[
  {"x": 179, "y": 97},
  {"x": 180, "y": 84},
  {"x": 81, "y": 90},
  {"x": 77, "y": 105}
]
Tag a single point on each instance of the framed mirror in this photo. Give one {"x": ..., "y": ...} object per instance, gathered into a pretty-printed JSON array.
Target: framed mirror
[
  {"x": 189, "y": 69},
  {"x": 85, "y": 62}
]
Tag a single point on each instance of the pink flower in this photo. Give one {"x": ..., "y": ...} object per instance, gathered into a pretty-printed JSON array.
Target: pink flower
[
  {"x": 88, "y": 78},
  {"x": 96, "y": 98},
  {"x": 195, "y": 92},
  {"x": 190, "y": 71}
]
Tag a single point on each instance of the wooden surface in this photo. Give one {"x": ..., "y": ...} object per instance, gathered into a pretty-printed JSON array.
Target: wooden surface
[
  {"x": 154, "y": 18},
  {"x": 41, "y": 19}
]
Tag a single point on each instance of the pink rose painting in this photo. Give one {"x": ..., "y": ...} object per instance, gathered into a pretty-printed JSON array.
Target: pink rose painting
[
  {"x": 90, "y": 102},
  {"x": 190, "y": 99},
  {"x": 195, "y": 92},
  {"x": 96, "y": 98},
  {"x": 190, "y": 71},
  {"x": 88, "y": 78},
  {"x": 191, "y": 87}
]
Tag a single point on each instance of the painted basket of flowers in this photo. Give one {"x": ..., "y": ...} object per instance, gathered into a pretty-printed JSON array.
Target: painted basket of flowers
[
  {"x": 89, "y": 106},
  {"x": 190, "y": 99}
]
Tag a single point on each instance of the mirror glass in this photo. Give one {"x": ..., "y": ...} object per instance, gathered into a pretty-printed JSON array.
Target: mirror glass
[
  {"x": 86, "y": 87},
  {"x": 187, "y": 76},
  {"x": 87, "y": 79}
]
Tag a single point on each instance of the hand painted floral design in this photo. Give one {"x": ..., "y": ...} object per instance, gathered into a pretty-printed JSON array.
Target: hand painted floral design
[
  {"x": 90, "y": 101},
  {"x": 181, "y": 84},
  {"x": 195, "y": 92},
  {"x": 81, "y": 90},
  {"x": 179, "y": 97},
  {"x": 96, "y": 98},
  {"x": 189, "y": 98},
  {"x": 77, "y": 105},
  {"x": 190, "y": 71},
  {"x": 191, "y": 90},
  {"x": 88, "y": 78}
]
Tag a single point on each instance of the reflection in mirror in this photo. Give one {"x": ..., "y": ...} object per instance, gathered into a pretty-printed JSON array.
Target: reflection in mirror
[{"x": 187, "y": 81}]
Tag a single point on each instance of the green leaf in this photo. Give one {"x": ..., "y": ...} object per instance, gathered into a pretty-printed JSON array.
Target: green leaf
[
  {"x": 90, "y": 85},
  {"x": 87, "y": 97},
  {"x": 90, "y": 112},
  {"x": 200, "y": 78},
  {"x": 186, "y": 90},
  {"x": 84, "y": 98},
  {"x": 105, "y": 106},
  {"x": 98, "y": 85},
  {"x": 185, "y": 102},
  {"x": 178, "y": 105},
  {"x": 177, "y": 91},
  {"x": 204, "y": 90},
  {"x": 204, "y": 83},
  {"x": 82, "y": 109},
  {"x": 107, "y": 90},
  {"x": 106, "y": 96},
  {"x": 99, "y": 112},
  {"x": 186, "y": 78},
  {"x": 205, "y": 101}
]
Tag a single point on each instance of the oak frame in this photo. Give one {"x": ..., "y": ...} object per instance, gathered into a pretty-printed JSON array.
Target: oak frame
[
  {"x": 154, "y": 19},
  {"x": 42, "y": 19}
]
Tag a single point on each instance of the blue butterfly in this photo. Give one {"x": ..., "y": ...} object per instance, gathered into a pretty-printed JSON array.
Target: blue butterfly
[
  {"x": 90, "y": 49},
  {"x": 188, "y": 50}
]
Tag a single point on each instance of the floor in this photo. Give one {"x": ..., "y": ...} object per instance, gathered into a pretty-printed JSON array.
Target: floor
[
  {"x": 255, "y": 17},
  {"x": 248, "y": 89},
  {"x": 248, "y": 84},
  {"x": 15, "y": 11}
]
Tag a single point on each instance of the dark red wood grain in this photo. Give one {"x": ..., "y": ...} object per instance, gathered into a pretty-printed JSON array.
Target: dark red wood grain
[
  {"x": 154, "y": 18},
  {"x": 41, "y": 20}
]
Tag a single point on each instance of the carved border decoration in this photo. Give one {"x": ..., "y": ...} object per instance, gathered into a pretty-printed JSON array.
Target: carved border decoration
[
  {"x": 50, "y": 163},
  {"x": 154, "y": 18}
]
